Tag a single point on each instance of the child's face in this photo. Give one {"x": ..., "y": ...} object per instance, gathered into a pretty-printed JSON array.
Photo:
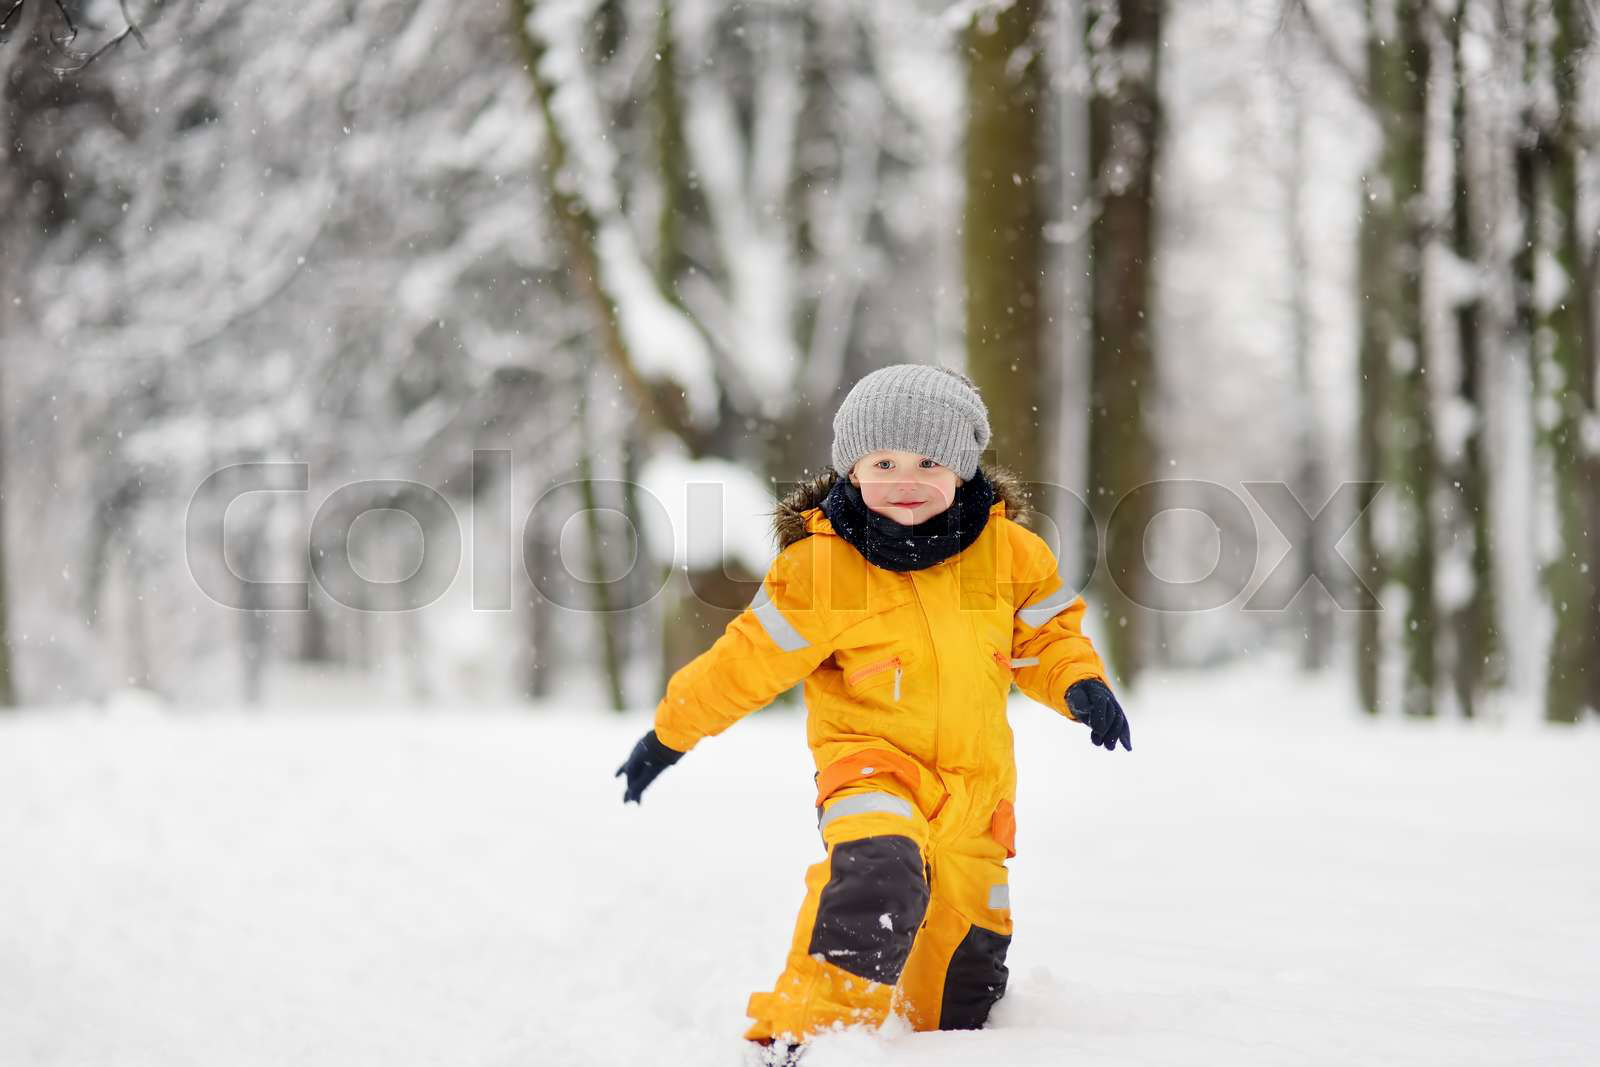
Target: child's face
[{"x": 904, "y": 486}]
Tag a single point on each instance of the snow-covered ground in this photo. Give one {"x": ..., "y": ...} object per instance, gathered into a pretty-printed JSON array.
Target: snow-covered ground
[{"x": 1263, "y": 880}]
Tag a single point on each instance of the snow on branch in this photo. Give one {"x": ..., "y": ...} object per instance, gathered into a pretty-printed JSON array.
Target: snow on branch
[
  {"x": 659, "y": 342},
  {"x": 64, "y": 41},
  {"x": 746, "y": 182},
  {"x": 712, "y": 511}
]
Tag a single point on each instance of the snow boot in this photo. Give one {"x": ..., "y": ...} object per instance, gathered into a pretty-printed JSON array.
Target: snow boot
[{"x": 768, "y": 1052}]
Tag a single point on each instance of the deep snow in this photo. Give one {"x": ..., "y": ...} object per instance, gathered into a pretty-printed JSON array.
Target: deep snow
[{"x": 1265, "y": 879}]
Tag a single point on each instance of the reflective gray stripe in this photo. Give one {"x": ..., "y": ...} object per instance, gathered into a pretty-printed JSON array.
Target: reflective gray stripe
[
  {"x": 783, "y": 634},
  {"x": 1027, "y": 661},
  {"x": 865, "y": 804},
  {"x": 1047, "y": 609},
  {"x": 999, "y": 898}
]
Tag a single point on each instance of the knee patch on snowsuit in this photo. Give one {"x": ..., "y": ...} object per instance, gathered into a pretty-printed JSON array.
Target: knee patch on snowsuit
[
  {"x": 869, "y": 912},
  {"x": 975, "y": 981}
]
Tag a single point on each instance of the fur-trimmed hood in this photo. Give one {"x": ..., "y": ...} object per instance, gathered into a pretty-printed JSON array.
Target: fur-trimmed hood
[{"x": 789, "y": 518}]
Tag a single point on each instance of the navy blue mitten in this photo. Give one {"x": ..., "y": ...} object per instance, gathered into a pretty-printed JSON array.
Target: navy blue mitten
[
  {"x": 1092, "y": 703},
  {"x": 649, "y": 758}
]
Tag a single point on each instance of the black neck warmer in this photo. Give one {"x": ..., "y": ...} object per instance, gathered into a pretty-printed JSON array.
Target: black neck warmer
[{"x": 887, "y": 544}]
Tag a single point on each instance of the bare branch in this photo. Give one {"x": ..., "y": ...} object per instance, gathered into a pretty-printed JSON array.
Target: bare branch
[
  {"x": 129, "y": 31},
  {"x": 61, "y": 9},
  {"x": 10, "y": 11},
  {"x": 1312, "y": 22},
  {"x": 133, "y": 27},
  {"x": 66, "y": 16},
  {"x": 64, "y": 41}
]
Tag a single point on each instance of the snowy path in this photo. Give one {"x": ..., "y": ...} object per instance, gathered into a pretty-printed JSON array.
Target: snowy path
[{"x": 346, "y": 889}]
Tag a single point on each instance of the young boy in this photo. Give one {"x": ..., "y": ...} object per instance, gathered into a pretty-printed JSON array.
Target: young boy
[{"x": 908, "y": 599}]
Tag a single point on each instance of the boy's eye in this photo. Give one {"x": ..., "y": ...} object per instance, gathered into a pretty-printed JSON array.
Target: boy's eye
[
  {"x": 884, "y": 464},
  {"x": 929, "y": 463}
]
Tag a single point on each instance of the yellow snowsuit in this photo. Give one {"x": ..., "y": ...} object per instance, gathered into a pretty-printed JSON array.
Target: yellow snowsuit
[{"x": 906, "y": 679}]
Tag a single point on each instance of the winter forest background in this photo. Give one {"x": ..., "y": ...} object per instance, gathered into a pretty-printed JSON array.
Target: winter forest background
[
  {"x": 622, "y": 247},
  {"x": 393, "y": 393}
]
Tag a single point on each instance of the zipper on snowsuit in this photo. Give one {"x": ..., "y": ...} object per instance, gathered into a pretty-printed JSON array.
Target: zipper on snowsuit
[
  {"x": 933, "y": 665},
  {"x": 1011, "y": 665},
  {"x": 870, "y": 669}
]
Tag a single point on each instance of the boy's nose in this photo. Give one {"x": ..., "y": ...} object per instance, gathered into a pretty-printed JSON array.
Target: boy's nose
[{"x": 911, "y": 491}]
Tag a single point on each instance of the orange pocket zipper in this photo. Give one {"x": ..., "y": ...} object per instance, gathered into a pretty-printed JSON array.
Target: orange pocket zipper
[
  {"x": 1010, "y": 665},
  {"x": 854, "y": 677}
]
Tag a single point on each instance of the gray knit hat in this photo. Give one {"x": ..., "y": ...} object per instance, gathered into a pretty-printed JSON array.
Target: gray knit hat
[{"x": 912, "y": 407}]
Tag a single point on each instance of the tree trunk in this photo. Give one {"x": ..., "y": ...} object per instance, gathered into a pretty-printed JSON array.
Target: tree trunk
[
  {"x": 1315, "y": 607},
  {"x": 1374, "y": 403},
  {"x": 8, "y": 684},
  {"x": 1395, "y": 349},
  {"x": 678, "y": 196},
  {"x": 1479, "y": 662},
  {"x": 607, "y": 619},
  {"x": 1565, "y": 360},
  {"x": 1004, "y": 226},
  {"x": 658, "y": 400},
  {"x": 14, "y": 231},
  {"x": 1124, "y": 38},
  {"x": 535, "y": 668}
]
